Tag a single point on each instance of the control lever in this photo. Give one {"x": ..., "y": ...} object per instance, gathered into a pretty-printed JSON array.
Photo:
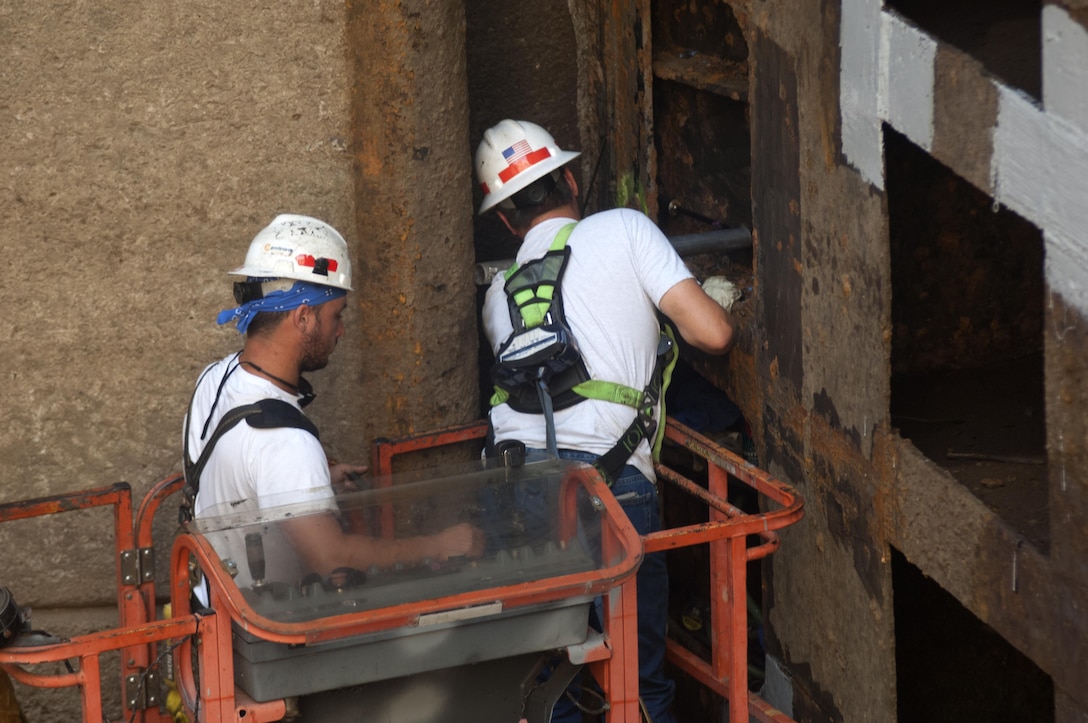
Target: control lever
[
  {"x": 255, "y": 558},
  {"x": 511, "y": 452}
]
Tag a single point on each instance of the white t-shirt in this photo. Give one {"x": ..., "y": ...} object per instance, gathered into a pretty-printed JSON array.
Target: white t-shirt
[
  {"x": 254, "y": 469},
  {"x": 620, "y": 267}
]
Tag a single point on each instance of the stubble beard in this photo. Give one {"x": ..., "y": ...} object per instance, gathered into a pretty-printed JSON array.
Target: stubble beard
[{"x": 315, "y": 351}]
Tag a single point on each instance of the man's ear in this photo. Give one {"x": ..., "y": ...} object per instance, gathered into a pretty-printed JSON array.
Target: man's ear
[
  {"x": 302, "y": 317},
  {"x": 571, "y": 182},
  {"x": 507, "y": 222}
]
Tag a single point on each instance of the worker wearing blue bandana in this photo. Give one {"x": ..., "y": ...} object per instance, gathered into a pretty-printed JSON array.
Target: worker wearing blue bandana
[
  {"x": 301, "y": 292},
  {"x": 291, "y": 296}
]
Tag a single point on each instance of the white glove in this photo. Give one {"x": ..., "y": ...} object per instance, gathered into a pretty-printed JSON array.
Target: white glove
[{"x": 722, "y": 290}]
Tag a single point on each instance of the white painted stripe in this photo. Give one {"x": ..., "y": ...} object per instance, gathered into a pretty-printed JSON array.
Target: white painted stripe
[
  {"x": 1040, "y": 171},
  {"x": 910, "y": 57},
  {"x": 859, "y": 88},
  {"x": 1065, "y": 67},
  {"x": 1019, "y": 146},
  {"x": 1067, "y": 270},
  {"x": 1039, "y": 167}
]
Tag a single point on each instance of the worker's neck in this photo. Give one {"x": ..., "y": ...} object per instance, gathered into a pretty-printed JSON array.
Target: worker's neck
[
  {"x": 271, "y": 362},
  {"x": 570, "y": 211}
]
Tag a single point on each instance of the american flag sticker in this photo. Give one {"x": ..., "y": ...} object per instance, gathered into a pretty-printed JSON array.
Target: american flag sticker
[{"x": 517, "y": 151}]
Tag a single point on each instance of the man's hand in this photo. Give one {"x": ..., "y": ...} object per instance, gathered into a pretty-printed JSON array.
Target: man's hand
[
  {"x": 462, "y": 539},
  {"x": 722, "y": 290},
  {"x": 345, "y": 476}
]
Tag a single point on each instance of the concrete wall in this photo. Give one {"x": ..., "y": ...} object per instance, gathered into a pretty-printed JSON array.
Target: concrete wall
[
  {"x": 143, "y": 149},
  {"x": 144, "y": 146}
]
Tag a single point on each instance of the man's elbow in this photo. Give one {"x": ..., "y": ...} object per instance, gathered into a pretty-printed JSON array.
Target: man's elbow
[{"x": 717, "y": 339}]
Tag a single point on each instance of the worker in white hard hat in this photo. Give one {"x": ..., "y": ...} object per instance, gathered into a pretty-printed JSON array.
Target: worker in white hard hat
[
  {"x": 291, "y": 298},
  {"x": 591, "y": 289}
]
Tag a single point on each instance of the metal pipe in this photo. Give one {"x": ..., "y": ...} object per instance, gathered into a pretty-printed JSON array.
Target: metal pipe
[{"x": 723, "y": 240}]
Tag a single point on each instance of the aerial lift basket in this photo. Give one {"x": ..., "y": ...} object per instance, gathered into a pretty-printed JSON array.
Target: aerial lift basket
[{"x": 236, "y": 656}]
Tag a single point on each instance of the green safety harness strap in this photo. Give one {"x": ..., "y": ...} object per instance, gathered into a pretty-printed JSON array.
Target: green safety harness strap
[
  {"x": 533, "y": 293},
  {"x": 645, "y": 424},
  {"x": 533, "y": 296}
]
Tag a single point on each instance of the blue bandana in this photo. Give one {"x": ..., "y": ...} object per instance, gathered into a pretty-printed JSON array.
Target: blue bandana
[{"x": 302, "y": 293}]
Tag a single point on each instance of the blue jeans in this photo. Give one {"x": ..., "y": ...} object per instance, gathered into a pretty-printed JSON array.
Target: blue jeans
[{"x": 638, "y": 498}]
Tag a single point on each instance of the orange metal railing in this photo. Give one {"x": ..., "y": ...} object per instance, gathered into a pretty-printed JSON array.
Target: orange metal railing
[
  {"x": 727, "y": 532},
  {"x": 201, "y": 639},
  {"x": 138, "y": 634}
]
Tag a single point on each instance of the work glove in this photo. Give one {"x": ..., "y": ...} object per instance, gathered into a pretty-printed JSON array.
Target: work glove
[{"x": 722, "y": 290}]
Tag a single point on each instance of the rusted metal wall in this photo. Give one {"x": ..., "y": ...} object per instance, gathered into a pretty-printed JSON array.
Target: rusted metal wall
[
  {"x": 826, "y": 276},
  {"x": 413, "y": 179}
]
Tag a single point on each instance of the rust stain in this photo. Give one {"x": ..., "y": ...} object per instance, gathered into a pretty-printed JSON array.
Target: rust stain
[{"x": 370, "y": 164}]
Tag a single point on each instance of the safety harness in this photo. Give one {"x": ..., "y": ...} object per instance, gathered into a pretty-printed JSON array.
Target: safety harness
[
  {"x": 539, "y": 370},
  {"x": 263, "y": 414}
]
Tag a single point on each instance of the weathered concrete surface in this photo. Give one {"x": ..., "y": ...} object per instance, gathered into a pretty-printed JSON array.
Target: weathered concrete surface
[
  {"x": 412, "y": 204},
  {"x": 965, "y": 108},
  {"x": 144, "y": 147}
]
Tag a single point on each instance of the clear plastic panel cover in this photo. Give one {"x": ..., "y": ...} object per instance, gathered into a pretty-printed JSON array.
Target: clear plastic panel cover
[{"x": 527, "y": 523}]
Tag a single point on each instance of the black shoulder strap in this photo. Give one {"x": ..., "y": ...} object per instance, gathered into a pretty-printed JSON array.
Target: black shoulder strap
[
  {"x": 264, "y": 414},
  {"x": 278, "y": 413}
]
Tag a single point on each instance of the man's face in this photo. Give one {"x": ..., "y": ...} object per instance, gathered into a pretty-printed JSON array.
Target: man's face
[{"x": 326, "y": 330}]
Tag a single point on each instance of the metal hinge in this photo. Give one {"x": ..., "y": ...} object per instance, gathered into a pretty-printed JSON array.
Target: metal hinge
[
  {"x": 142, "y": 690},
  {"x": 137, "y": 566}
]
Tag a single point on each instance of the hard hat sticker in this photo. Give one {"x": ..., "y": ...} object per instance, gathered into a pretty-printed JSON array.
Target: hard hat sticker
[
  {"x": 516, "y": 151},
  {"x": 278, "y": 250},
  {"x": 526, "y": 161},
  {"x": 325, "y": 264}
]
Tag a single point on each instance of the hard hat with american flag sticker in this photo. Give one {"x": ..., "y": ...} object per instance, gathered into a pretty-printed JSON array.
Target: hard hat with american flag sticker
[{"x": 512, "y": 155}]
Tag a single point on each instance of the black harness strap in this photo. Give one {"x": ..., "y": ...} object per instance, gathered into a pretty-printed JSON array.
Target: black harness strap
[
  {"x": 264, "y": 414},
  {"x": 643, "y": 426}
]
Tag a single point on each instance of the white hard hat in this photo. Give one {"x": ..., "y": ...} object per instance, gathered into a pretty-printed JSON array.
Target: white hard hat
[
  {"x": 300, "y": 248},
  {"x": 512, "y": 155}
]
